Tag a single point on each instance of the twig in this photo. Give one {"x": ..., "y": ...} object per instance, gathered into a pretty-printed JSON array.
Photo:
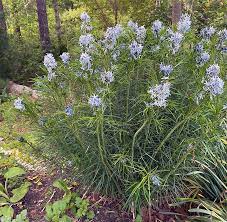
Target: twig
[{"x": 49, "y": 200}]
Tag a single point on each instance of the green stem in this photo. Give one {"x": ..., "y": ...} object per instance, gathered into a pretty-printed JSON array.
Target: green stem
[
  {"x": 170, "y": 133},
  {"x": 167, "y": 137},
  {"x": 135, "y": 135},
  {"x": 6, "y": 185},
  {"x": 102, "y": 152},
  {"x": 127, "y": 100}
]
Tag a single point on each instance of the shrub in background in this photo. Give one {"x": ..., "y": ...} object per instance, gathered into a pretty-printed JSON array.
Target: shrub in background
[{"x": 133, "y": 109}]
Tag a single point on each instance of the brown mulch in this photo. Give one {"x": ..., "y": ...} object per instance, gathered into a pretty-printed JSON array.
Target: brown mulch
[
  {"x": 42, "y": 191},
  {"x": 106, "y": 209}
]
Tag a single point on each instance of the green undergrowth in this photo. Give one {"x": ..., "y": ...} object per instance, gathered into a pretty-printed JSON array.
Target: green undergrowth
[
  {"x": 12, "y": 129},
  {"x": 20, "y": 142}
]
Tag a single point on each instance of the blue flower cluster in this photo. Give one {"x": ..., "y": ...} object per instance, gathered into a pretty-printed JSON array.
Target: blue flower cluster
[{"x": 213, "y": 83}]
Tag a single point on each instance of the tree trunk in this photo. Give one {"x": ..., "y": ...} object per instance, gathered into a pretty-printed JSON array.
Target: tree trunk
[
  {"x": 116, "y": 11},
  {"x": 57, "y": 21},
  {"x": 176, "y": 11},
  {"x": 17, "y": 28},
  {"x": 114, "y": 4},
  {"x": 3, "y": 29},
  {"x": 43, "y": 25}
]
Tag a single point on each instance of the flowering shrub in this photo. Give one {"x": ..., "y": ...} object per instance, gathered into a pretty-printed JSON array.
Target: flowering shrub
[{"x": 135, "y": 106}]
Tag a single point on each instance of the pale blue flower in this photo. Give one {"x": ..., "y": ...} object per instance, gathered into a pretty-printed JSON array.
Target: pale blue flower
[
  {"x": 141, "y": 34},
  {"x": 65, "y": 57},
  {"x": 95, "y": 101},
  {"x": 159, "y": 94},
  {"x": 176, "y": 39},
  {"x": 207, "y": 32},
  {"x": 69, "y": 111},
  {"x": 199, "y": 47},
  {"x": 85, "y": 60},
  {"x": 155, "y": 180},
  {"x": 213, "y": 70},
  {"x": 199, "y": 97},
  {"x": 133, "y": 25},
  {"x": 170, "y": 32},
  {"x": 85, "y": 17},
  {"x": 62, "y": 85},
  {"x": 86, "y": 40},
  {"x": 107, "y": 77},
  {"x": 214, "y": 85},
  {"x": 203, "y": 58},
  {"x": 157, "y": 27},
  {"x": 19, "y": 104},
  {"x": 111, "y": 36},
  {"x": 140, "y": 31},
  {"x": 85, "y": 27},
  {"x": 135, "y": 49},
  {"x": 166, "y": 69},
  {"x": 222, "y": 35},
  {"x": 51, "y": 74},
  {"x": 184, "y": 24},
  {"x": 49, "y": 61},
  {"x": 116, "y": 54}
]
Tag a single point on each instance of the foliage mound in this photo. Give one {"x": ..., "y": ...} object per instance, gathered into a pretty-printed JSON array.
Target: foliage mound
[{"x": 135, "y": 107}]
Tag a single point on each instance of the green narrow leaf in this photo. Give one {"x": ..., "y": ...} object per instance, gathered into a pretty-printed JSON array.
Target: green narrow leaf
[{"x": 13, "y": 172}]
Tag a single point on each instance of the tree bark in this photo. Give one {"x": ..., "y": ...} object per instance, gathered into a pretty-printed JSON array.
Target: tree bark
[
  {"x": 114, "y": 4},
  {"x": 43, "y": 25},
  {"x": 116, "y": 11},
  {"x": 17, "y": 28},
  {"x": 3, "y": 28},
  {"x": 176, "y": 11},
  {"x": 57, "y": 21}
]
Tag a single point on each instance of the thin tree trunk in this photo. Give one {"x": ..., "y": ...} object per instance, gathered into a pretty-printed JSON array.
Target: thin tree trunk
[
  {"x": 3, "y": 28},
  {"x": 176, "y": 11},
  {"x": 57, "y": 21},
  {"x": 17, "y": 28},
  {"x": 43, "y": 25},
  {"x": 114, "y": 4},
  {"x": 116, "y": 11},
  {"x": 103, "y": 16}
]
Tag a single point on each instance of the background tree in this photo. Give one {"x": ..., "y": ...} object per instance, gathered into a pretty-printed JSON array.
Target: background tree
[
  {"x": 43, "y": 25},
  {"x": 17, "y": 28},
  {"x": 3, "y": 28},
  {"x": 176, "y": 11},
  {"x": 58, "y": 22},
  {"x": 3, "y": 46}
]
